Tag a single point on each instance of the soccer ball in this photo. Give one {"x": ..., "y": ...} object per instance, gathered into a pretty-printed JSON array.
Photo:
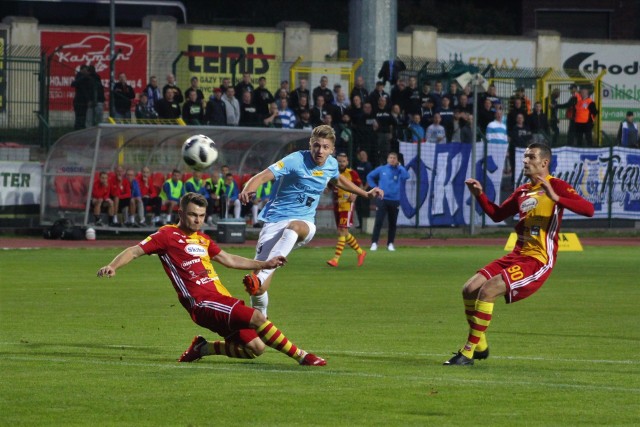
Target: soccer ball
[{"x": 199, "y": 152}]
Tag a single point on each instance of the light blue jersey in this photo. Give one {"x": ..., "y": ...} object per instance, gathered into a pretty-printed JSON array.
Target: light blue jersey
[{"x": 299, "y": 185}]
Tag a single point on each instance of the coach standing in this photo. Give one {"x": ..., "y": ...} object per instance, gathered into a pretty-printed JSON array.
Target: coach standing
[{"x": 389, "y": 178}]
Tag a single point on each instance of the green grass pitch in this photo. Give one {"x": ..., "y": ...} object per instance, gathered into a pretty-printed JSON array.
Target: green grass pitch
[{"x": 76, "y": 350}]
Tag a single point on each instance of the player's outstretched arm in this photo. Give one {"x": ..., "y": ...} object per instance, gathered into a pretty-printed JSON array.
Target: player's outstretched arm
[
  {"x": 564, "y": 195},
  {"x": 242, "y": 263},
  {"x": 252, "y": 185},
  {"x": 122, "y": 259},
  {"x": 497, "y": 213},
  {"x": 349, "y": 186},
  {"x": 474, "y": 186}
]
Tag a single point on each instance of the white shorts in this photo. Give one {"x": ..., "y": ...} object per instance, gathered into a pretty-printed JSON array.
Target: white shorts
[{"x": 271, "y": 233}]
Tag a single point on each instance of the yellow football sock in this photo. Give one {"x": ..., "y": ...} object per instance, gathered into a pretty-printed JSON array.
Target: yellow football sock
[
  {"x": 479, "y": 324},
  {"x": 469, "y": 309}
]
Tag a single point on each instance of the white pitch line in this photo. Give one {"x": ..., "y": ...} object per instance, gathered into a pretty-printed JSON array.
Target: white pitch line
[
  {"x": 325, "y": 371},
  {"x": 398, "y": 354}
]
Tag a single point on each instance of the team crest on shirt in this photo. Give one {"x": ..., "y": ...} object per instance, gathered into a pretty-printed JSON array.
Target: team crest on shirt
[
  {"x": 529, "y": 204},
  {"x": 195, "y": 250}
]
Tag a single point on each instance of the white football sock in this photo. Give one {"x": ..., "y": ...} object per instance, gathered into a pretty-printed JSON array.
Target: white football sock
[
  {"x": 282, "y": 247},
  {"x": 260, "y": 302}
]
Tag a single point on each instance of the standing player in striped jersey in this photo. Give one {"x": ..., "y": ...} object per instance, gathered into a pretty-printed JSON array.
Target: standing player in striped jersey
[
  {"x": 343, "y": 208},
  {"x": 540, "y": 205},
  {"x": 186, "y": 255}
]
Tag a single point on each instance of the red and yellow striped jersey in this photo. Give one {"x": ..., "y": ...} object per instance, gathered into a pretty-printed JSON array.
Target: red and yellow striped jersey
[
  {"x": 539, "y": 216},
  {"x": 187, "y": 261},
  {"x": 340, "y": 196}
]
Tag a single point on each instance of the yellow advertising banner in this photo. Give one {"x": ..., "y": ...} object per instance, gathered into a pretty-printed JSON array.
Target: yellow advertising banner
[
  {"x": 568, "y": 242},
  {"x": 211, "y": 55}
]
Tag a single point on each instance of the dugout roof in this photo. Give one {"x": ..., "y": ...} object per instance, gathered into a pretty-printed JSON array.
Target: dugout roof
[{"x": 75, "y": 158}]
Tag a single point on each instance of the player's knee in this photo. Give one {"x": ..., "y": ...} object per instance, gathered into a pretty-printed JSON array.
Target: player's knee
[
  {"x": 257, "y": 347},
  {"x": 257, "y": 319}
]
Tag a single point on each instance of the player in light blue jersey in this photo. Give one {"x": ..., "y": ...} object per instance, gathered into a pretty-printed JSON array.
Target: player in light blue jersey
[{"x": 301, "y": 177}]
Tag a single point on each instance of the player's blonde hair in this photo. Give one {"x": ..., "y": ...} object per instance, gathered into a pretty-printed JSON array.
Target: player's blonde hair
[{"x": 323, "y": 132}]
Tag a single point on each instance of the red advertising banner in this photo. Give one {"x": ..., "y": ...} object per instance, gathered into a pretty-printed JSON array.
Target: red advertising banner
[{"x": 69, "y": 50}]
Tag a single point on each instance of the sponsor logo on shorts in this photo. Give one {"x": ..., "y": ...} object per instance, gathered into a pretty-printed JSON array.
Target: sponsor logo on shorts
[
  {"x": 195, "y": 250},
  {"x": 528, "y": 204},
  {"x": 190, "y": 262}
]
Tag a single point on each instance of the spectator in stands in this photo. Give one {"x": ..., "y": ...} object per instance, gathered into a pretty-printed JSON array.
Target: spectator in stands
[
  {"x": 286, "y": 114},
  {"x": 193, "y": 109},
  {"x": 552, "y": 108},
  {"x": 319, "y": 111},
  {"x": 121, "y": 195},
  {"x": 153, "y": 92},
  {"x": 304, "y": 120},
  {"x": 215, "y": 187},
  {"x": 382, "y": 114},
  {"x": 492, "y": 96},
  {"x": 519, "y": 93},
  {"x": 425, "y": 94},
  {"x": 519, "y": 137},
  {"x": 196, "y": 184},
  {"x": 359, "y": 90},
  {"x": 226, "y": 83},
  {"x": 570, "y": 114},
  {"x": 453, "y": 94},
  {"x": 248, "y": 112},
  {"x": 427, "y": 112},
  {"x": 398, "y": 126},
  {"x": 496, "y": 131},
  {"x": 355, "y": 109},
  {"x": 262, "y": 97},
  {"x": 339, "y": 93},
  {"x": 340, "y": 107},
  {"x": 298, "y": 93},
  {"x": 323, "y": 91},
  {"x": 263, "y": 195},
  {"x": 178, "y": 97},
  {"x": 244, "y": 86},
  {"x": 390, "y": 71},
  {"x": 466, "y": 130},
  {"x": 486, "y": 114},
  {"x": 437, "y": 94},
  {"x": 195, "y": 87},
  {"x": 122, "y": 95},
  {"x": 143, "y": 110},
  {"x": 461, "y": 131},
  {"x": 172, "y": 190},
  {"x": 398, "y": 95},
  {"x": 284, "y": 85},
  {"x": 538, "y": 124},
  {"x": 464, "y": 104},
  {"x": 84, "y": 88},
  {"x": 366, "y": 127},
  {"x": 216, "y": 111},
  {"x": 518, "y": 108},
  {"x": 303, "y": 104},
  {"x": 628, "y": 132},
  {"x": 377, "y": 94},
  {"x": 446, "y": 116},
  {"x": 586, "y": 112},
  {"x": 273, "y": 119},
  {"x": 136, "y": 205},
  {"x": 149, "y": 198},
  {"x": 95, "y": 108},
  {"x": 363, "y": 205},
  {"x": 344, "y": 134},
  {"x": 435, "y": 132},
  {"x": 282, "y": 94},
  {"x": 231, "y": 191},
  {"x": 232, "y": 107},
  {"x": 417, "y": 133},
  {"x": 167, "y": 107},
  {"x": 101, "y": 198},
  {"x": 413, "y": 99}
]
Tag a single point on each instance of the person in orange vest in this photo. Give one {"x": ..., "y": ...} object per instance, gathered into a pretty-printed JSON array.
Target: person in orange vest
[
  {"x": 571, "y": 112},
  {"x": 586, "y": 112}
]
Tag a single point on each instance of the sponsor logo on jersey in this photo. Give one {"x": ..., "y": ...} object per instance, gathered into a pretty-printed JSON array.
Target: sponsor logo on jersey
[
  {"x": 195, "y": 250},
  {"x": 190, "y": 262},
  {"x": 194, "y": 241},
  {"x": 279, "y": 165},
  {"x": 204, "y": 281},
  {"x": 528, "y": 204},
  {"x": 145, "y": 241},
  {"x": 317, "y": 173},
  {"x": 535, "y": 230},
  {"x": 259, "y": 248}
]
